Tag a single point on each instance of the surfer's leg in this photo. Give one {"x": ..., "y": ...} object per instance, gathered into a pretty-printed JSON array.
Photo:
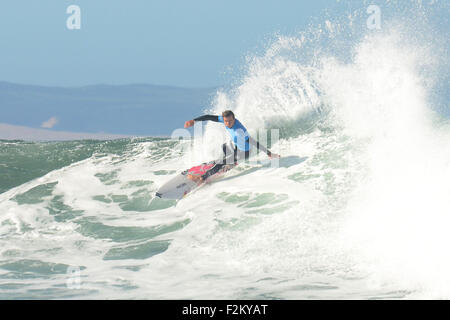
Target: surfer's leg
[
  {"x": 213, "y": 170},
  {"x": 229, "y": 157},
  {"x": 241, "y": 156}
]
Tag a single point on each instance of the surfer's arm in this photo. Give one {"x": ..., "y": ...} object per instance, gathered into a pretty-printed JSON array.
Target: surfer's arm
[
  {"x": 262, "y": 148},
  {"x": 206, "y": 117}
]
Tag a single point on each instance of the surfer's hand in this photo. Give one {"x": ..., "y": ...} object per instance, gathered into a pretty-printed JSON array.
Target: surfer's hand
[
  {"x": 189, "y": 123},
  {"x": 273, "y": 155}
]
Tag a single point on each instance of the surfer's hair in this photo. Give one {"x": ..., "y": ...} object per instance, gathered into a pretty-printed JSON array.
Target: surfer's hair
[{"x": 227, "y": 113}]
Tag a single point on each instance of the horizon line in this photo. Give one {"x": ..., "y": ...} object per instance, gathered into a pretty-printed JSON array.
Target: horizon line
[
  {"x": 111, "y": 85},
  {"x": 11, "y": 132}
]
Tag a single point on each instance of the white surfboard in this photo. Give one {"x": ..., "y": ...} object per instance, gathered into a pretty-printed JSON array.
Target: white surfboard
[{"x": 181, "y": 185}]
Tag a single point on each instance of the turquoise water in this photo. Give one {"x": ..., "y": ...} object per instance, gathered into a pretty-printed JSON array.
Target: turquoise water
[
  {"x": 96, "y": 213},
  {"x": 92, "y": 228}
]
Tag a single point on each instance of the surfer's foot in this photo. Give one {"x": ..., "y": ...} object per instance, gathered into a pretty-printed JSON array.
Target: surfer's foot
[{"x": 195, "y": 178}]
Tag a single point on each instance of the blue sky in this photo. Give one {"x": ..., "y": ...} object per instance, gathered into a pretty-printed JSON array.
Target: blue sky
[{"x": 173, "y": 42}]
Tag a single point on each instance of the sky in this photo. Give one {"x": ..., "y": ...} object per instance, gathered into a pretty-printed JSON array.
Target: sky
[{"x": 196, "y": 43}]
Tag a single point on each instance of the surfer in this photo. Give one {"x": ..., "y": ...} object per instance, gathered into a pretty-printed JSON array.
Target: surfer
[{"x": 241, "y": 142}]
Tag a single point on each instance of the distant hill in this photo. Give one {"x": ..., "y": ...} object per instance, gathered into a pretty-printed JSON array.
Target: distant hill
[
  {"x": 12, "y": 132},
  {"x": 136, "y": 109}
]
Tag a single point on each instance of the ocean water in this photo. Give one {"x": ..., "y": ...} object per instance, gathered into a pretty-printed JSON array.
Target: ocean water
[{"x": 358, "y": 207}]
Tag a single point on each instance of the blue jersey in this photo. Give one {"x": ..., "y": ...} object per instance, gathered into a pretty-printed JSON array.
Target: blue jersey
[{"x": 238, "y": 134}]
